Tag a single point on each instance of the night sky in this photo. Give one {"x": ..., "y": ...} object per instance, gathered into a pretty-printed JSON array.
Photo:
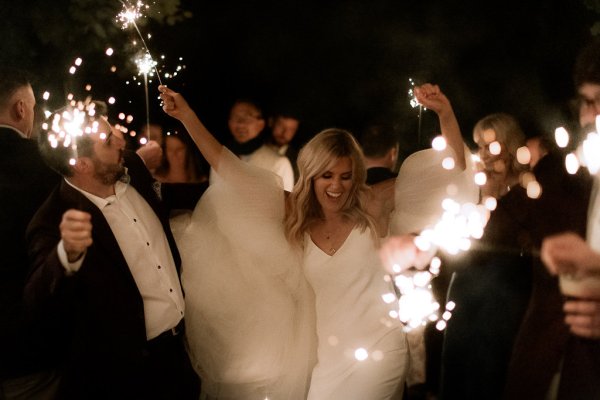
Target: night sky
[{"x": 348, "y": 63}]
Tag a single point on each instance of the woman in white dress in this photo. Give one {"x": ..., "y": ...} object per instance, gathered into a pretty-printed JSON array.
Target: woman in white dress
[{"x": 249, "y": 320}]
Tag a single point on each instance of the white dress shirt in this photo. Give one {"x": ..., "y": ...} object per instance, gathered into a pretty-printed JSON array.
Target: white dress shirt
[
  {"x": 593, "y": 222},
  {"x": 146, "y": 250}
]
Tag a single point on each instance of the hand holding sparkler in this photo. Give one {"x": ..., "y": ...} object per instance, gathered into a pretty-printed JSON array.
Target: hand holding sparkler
[
  {"x": 76, "y": 233},
  {"x": 174, "y": 104},
  {"x": 431, "y": 97},
  {"x": 177, "y": 107}
]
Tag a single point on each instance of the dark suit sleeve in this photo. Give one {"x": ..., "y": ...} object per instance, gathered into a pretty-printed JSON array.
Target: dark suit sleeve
[{"x": 47, "y": 277}]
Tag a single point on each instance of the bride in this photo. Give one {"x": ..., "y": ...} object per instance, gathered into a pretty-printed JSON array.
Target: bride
[{"x": 283, "y": 290}]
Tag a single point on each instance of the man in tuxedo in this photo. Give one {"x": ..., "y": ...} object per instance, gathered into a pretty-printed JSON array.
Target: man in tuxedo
[
  {"x": 26, "y": 366},
  {"x": 103, "y": 253}
]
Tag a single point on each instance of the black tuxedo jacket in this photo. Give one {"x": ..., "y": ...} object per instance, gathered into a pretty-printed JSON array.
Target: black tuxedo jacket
[
  {"x": 107, "y": 354},
  {"x": 25, "y": 182}
]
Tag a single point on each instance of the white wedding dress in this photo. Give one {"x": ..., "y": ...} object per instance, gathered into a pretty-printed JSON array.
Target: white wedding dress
[
  {"x": 251, "y": 317},
  {"x": 249, "y": 311},
  {"x": 362, "y": 351}
]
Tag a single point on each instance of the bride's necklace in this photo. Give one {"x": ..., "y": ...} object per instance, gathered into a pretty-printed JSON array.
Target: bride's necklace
[{"x": 332, "y": 249}]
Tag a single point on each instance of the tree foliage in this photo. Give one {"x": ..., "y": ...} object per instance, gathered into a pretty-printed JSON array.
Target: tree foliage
[{"x": 49, "y": 33}]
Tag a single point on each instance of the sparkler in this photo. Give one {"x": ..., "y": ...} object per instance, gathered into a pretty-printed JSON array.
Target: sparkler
[
  {"x": 74, "y": 121},
  {"x": 127, "y": 17},
  {"x": 414, "y": 103},
  {"x": 145, "y": 66}
]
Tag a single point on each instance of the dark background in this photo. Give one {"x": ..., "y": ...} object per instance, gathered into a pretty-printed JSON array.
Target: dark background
[{"x": 338, "y": 63}]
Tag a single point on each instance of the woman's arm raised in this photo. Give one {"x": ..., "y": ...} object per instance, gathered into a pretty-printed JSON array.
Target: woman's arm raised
[
  {"x": 177, "y": 107},
  {"x": 432, "y": 97}
]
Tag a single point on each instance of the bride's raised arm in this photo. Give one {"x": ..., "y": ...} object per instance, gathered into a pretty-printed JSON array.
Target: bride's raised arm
[{"x": 177, "y": 107}]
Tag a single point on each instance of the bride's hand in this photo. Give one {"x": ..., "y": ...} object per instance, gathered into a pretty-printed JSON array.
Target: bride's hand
[{"x": 174, "y": 104}]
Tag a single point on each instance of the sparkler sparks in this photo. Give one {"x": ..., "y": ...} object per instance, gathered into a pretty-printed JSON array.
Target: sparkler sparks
[
  {"x": 66, "y": 126},
  {"x": 130, "y": 14},
  {"x": 146, "y": 65}
]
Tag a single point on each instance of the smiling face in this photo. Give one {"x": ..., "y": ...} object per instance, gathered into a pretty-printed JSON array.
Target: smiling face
[
  {"x": 333, "y": 186},
  {"x": 245, "y": 122}
]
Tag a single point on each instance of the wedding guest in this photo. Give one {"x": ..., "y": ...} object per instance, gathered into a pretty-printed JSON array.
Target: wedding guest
[
  {"x": 284, "y": 127},
  {"x": 380, "y": 148},
  {"x": 552, "y": 359},
  {"x": 491, "y": 284},
  {"x": 27, "y": 360},
  {"x": 102, "y": 249},
  {"x": 246, "y": 124}
]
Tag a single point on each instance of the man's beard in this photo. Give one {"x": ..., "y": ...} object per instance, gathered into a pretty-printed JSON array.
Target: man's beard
[{"x": 108, "y": 174}]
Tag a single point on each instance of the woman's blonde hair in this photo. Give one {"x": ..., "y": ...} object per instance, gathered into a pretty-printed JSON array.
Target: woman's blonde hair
[
  {"x": 316, "y": 157},
  {"x": 509, "y": 133}
]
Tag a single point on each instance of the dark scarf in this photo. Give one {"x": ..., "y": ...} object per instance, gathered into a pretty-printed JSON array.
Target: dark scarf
[{"x": 242, "y": 149}]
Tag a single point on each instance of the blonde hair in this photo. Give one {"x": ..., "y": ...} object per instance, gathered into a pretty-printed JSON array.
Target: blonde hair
[
  {"x": 508, "y": 133},
  {"x": 318, "y": 155}
]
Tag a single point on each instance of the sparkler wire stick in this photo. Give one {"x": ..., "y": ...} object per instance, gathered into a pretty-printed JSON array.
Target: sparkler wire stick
[
  {"x": 132, "y": 20},
  {"x": 147, "y": 104}
]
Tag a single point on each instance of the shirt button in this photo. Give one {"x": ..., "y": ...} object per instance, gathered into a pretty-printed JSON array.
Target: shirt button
[
  {"x": 159, "y": 267},
  {"x": 147, "y": 243},
  {"x": 170, "y": 290},
  {"x": 134, "y": 220}
]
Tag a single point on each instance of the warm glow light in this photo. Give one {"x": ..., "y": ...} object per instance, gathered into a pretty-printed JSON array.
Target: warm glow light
[
  {"x": 591, "y": 152},
  {"x": 480, "y": 178},
  {"x": 361, "y": 354},
  {"x": 439, "y": 143},
  {"x": 561, "y": 136},
  {"x": 572, "y": 163},
  {"x": 46, "y": 95},
  {"x": 534, "y": 190},
  {"x": 448, "y": 163},
  {"x": 523, "y": 155},
  {"x": 495, "y": 148},
  {"x": 490, "y": 203}
]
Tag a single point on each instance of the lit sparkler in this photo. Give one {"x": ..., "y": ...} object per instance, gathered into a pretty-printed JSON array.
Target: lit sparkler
[
  {"x": 66, "y": 126},
  {"x": 414, "y": 103},
  {"x": 453, "y": 233},
  {"x": 128, "y": 16}
]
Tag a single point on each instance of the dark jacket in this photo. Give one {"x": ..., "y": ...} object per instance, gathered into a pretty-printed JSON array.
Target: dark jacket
[
  {"x": 25, "y": 182},
  {"x": 101, "y": 302}
]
